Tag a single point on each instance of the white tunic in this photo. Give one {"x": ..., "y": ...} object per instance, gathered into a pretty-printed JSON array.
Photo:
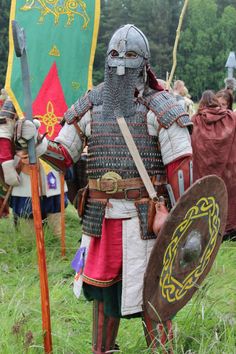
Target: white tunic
[
  {"x": 175, "y": 142},
  {"x": 24, "y": 189}
]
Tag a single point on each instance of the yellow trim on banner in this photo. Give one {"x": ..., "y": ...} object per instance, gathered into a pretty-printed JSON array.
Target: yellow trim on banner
[
  {"x": 10, "y": 62},
  {"x": 94, "y": 42},
  {"x": 46, "y": 167}
]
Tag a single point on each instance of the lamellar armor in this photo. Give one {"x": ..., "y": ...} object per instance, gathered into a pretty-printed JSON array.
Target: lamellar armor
[{"x": 125, "y": 92}]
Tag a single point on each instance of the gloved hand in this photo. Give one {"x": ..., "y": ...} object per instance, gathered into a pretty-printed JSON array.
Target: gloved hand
[
  {"x": 26, "y": 130},
  {"x": 11, "y": 177}
]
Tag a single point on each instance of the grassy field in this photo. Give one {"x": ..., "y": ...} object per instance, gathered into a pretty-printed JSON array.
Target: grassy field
[{"x": 206, "y": 325}]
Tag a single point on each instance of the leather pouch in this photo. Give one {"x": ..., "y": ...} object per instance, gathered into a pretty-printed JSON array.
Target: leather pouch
[{"x": 142, "y": 207}]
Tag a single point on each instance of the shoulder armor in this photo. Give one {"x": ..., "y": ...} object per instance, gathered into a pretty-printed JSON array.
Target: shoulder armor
[
  {"x": 84, "y": 104},
  {"x": 7, "y": 112},
  {"x": 96, "y": 95},
  {"x": 168, "y": 110}
]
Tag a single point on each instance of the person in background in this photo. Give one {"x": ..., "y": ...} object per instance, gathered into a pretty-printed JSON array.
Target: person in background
[
  {"x": 225, "y": 99},
  {"x": 189, "y": 104},
  {"x": 230, "y": 84},
  {"x": 182, "y": 95},
  {"x": 178, "y": 91},
  {"x": 3, "y": 188},
  {"x": 214, "y": 149},
  {"x": 16, "y": 173}
]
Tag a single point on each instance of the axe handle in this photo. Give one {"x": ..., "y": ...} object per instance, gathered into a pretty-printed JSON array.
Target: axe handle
[
  {"x": 20, "y": 49},
  {"x": 46, "y": 323}
]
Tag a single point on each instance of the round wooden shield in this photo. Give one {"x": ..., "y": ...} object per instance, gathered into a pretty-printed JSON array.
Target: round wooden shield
[{"x": 185, "y": 248}]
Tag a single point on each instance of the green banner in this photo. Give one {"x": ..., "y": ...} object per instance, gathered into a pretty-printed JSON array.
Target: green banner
[{"x": 61, "y": 36}]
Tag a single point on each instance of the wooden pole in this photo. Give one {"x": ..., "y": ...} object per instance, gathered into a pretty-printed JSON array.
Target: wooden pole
[
  {"x": 63, "y": 238},
  {"x": 20, "y": 50},
  {"x": 46, "y": 322},
  {"x": 5, "y": 200},
  {"x": 176, "y": 44}
]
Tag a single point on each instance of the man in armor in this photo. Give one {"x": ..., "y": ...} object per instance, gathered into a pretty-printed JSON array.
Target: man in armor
[{"x": 116, "y": 241}]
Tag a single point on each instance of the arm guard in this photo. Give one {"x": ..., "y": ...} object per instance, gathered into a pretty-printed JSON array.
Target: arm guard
[
  {"x": 180, "y": 177},
  {"x": 57, "y": 156}
]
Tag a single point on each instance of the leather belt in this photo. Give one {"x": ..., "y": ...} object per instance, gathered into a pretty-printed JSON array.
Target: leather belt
[
  {"x": 128, "y": 194},
  {"x": 112, "y": 186}
]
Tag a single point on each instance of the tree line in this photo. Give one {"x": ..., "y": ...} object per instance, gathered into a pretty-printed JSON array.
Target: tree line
[{"x": 207, "y": 37}]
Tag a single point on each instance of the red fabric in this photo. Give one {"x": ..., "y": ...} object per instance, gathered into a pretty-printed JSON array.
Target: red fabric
[
  {"x": 5, "y": 212},
  {"x": 172, "y": 167},
  {"x": 6, "y": 152},
  {"x": 214, "y": 151},
  {"x": 1, "y": 103},
  {"x": 153, "y": 81},
  {"x": 104, "y": 262},
  {"x": 68, "y": 159},
  {"x": 50, "y": 105}
]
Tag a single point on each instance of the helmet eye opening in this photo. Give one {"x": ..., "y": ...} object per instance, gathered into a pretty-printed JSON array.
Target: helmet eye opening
[
  {"x": 114, "y": 53},
  {"x": 131, "y": 54}
]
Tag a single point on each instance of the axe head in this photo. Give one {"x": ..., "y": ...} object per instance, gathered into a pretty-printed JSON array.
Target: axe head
[{"x": 18, "y": 38}]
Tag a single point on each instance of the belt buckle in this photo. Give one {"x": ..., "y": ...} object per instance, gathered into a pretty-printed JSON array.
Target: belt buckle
[
  {"x": 109, "y": 176},
  {"x": 126, "y": 191}
]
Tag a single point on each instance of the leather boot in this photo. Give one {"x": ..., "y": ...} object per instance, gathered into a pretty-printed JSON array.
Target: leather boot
[
  {"x": 105, "y": 330},
  {"x": 158, "y": 334}
]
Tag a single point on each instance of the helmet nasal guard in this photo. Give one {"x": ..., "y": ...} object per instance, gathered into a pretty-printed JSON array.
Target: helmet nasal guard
[{"x": 128, "y": 48}]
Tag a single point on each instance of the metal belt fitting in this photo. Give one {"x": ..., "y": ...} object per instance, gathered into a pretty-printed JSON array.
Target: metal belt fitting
[
  {"x": 112, "y": 177},
  {"x": 126, "y": 192}
]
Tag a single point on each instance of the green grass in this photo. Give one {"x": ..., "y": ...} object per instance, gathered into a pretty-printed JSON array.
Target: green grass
[{"x": 207, "y": 324}]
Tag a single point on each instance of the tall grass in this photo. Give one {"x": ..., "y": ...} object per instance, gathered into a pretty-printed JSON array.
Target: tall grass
[{"x": 207, "y": 324}]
